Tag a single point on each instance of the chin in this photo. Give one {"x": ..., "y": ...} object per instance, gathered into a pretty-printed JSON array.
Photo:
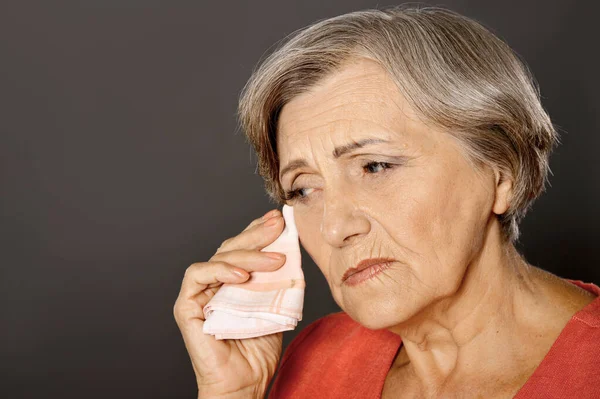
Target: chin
[{"x": 380, "y": 314}]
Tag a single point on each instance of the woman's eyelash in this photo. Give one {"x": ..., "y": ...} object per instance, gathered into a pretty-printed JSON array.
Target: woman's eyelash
[
  {"x": 293, "y": 194},
  {"x": 368, "y": 168},
  {"x": 370, "y": 165}
]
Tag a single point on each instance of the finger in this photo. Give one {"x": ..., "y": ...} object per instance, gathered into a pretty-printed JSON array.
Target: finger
[
  {"x": 256, "y": 237},
  {"x": 200, "y": 275},
  {"x": 264, "y": 218},
  {"x": 251, "y": 260}
]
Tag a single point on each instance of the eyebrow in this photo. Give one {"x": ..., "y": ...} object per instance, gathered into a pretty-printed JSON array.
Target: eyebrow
[{"x": 337, "y": 152}]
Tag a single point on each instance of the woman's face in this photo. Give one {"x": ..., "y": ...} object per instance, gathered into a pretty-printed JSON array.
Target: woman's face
[{"x": 406, "y": 192}]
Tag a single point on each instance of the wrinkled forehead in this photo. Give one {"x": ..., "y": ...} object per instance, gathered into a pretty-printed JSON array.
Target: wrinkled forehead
[{"x": 359, "y": 100}]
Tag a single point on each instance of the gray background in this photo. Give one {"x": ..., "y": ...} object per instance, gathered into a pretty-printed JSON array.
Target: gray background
[{"x": 121, "y": 164}]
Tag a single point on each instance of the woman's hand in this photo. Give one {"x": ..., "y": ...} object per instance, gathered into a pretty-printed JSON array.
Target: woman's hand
[{"x": 230, "y": 368}]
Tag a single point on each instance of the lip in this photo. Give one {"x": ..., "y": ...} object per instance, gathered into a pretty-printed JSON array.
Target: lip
[{"x": 365, "y": 264}]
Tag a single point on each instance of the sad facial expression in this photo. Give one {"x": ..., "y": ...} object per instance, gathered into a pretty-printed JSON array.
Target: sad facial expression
[{"x": 368, "y": 179}]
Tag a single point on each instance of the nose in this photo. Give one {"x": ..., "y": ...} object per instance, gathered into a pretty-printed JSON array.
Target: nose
[{"x": 343, "y": 221}]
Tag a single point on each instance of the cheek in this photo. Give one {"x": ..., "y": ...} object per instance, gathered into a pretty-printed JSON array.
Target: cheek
[
  {"x": 305, "y": 223},
  {"x": 433, "y": 215},
  {"x": 462, "y": 209},
  {"x": 453, "y": 219},
  {"x": 405, "y": 206},
  {"x": 308, "y": 225}
]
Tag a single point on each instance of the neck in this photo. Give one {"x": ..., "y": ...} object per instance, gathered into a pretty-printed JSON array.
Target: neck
[{"x": 465, "y": 332}]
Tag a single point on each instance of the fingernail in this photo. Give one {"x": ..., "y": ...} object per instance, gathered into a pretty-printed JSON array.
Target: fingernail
[
  {"x": 239, "y": 273},
  {"x": 274, "y": 255},
  {"x": 272, "y": 222}
]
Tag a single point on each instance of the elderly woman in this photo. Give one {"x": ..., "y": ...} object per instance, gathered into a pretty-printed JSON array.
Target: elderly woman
[{"x": 411, "y": 142}]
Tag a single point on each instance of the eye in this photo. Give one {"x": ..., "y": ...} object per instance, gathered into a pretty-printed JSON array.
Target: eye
[
  {"x": 299, "y": 193},
  {"x": 375, "y": 167},
  {"x": 303, "y": 194}
]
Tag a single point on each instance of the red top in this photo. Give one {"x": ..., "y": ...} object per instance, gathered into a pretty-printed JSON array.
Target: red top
[{"x": 335, "y": 357}]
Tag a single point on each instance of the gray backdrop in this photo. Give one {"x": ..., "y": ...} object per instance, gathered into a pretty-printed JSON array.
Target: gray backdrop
[{"x": 121, "y": 164}]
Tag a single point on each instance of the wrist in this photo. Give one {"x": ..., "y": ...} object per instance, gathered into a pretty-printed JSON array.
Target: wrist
[{"x": 246, "y": 393}]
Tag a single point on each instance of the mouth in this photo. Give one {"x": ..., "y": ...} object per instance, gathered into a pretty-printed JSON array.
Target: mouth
[{"x": 365, "y": 264}]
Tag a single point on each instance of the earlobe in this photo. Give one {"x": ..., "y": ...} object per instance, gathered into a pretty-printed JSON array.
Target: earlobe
[{"x": 504, "y": 188}]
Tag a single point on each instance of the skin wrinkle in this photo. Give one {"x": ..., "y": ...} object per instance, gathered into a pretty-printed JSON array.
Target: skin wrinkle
[{"x": 465, "y": 306}]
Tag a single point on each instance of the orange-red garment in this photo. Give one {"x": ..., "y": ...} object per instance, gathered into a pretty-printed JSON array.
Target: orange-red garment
[{"x": 335, "y": 357}]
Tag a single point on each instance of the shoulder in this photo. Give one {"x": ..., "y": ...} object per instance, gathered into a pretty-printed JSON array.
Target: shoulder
[
  {"x": 571, "y": 366},
  {"x": 580, "y": 338},
  {"x": 590, "y": 314}
]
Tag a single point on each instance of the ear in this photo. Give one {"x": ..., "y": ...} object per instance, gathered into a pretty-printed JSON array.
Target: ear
[{"x": 504, "y": 190}]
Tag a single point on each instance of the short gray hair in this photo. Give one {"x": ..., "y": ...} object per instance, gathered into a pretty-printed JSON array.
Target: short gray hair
[{"x": 455, "y": 73}]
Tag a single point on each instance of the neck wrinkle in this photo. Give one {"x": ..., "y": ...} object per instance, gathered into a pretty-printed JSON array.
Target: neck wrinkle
[{"x": 480, "y": 311}]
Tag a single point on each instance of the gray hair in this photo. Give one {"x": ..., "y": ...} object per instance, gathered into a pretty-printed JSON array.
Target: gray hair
[{"x": 455, "y": 73}]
